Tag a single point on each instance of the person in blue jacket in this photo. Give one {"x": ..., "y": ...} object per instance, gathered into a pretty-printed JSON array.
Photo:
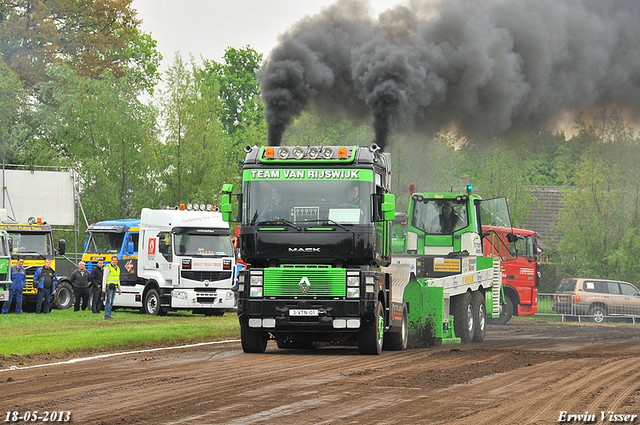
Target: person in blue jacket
[
  {"x": 18, "y": 279},
  {"x": 45, "y": 283}
]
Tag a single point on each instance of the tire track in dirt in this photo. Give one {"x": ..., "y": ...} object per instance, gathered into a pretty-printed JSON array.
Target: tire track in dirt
[
  {"x": 559, "y": 385},
  {"x": 520, "y": 374}
]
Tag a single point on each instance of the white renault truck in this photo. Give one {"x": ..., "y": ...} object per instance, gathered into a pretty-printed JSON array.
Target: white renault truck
[{"x": 184, "y": 261}]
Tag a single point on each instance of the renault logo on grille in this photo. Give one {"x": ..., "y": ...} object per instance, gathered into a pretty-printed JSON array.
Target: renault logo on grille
[
  {"x": 304, "y": 285},
  {"x": 206, "y": 283}
]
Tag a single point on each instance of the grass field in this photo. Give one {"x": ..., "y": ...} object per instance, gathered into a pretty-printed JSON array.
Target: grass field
[{"x": 65, "y": 331}]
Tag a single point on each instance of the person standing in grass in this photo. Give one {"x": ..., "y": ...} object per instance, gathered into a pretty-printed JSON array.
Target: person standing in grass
[
  {"x": 96, "y": 287},
  {"x": 111, "y": 284},
  {"x": 80, "y": 280},
  {"x": 44, "y": 280},
  {"x": 18, "y": 279}
]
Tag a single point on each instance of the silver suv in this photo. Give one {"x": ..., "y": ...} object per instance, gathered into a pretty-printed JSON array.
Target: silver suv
[{"x": 598, "y": 298}]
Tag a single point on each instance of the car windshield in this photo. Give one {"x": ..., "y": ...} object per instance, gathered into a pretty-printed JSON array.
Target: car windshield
[
  {"x": 567, "y": 285},
  {"x": 203, "y": 245},
  {"x": 307, "y": 201},
  {"x": 105, "y": 242}
]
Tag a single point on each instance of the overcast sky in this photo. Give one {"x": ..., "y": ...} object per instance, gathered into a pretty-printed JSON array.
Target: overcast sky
[{"x": 207, "y": 27}]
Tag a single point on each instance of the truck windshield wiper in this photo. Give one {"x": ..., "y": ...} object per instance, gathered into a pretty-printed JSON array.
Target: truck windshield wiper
[
  {"x": 328, "y": 220},
  {"x": 278, "y": 221}
]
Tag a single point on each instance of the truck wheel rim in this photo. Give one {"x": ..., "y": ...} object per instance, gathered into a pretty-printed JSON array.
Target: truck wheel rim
[
  {"x": 64, "y": 297},
  {"x": 481, "y": 319},
  {"x": 152, "y": 304},
  {"x": 470, "y": 317}
]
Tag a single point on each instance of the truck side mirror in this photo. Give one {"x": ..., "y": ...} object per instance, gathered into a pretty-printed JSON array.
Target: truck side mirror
[
  {"x": 62, "y": 246},
  {"x": 225, "y": 202},
  {"x": 130, "y": 248},
  {"x": 389, "y": 206},
  {"x": 10, "y": 241}
]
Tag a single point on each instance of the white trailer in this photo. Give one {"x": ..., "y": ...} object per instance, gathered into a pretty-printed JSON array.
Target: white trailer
[{"x": 185, "y": 262}]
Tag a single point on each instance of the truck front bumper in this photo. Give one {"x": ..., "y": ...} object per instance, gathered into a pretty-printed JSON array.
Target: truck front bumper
[
  {"x": 307, "y": 316},
  {"x": 197, "y": 299}
]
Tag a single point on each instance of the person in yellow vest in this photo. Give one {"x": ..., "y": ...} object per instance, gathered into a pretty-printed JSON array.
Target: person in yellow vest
[{"x": 110, "y": 284}]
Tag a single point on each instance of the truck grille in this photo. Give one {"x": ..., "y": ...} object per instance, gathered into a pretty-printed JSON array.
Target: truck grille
[
  {"x": 30, "y": 271},
  {"x": 289, "y": 281},
  {"x": 201, "y": 276}
]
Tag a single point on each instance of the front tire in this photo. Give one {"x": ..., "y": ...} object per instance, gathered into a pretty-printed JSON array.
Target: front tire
[
  {"x": 252, "y": 341},
  {"x": 64, "y": 296},
  {"x": 151, "y": 303},
  {"x": 371, "y": 336},
  {"x": 464, "y": 321},
  {"x": 480, "y": 311}
]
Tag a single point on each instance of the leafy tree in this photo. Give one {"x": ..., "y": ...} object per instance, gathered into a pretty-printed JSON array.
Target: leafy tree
[
  {"x": 432, "y": 165},
  {"x": 192, "y": 159},
  {"x": 90, "y": 35},
  {"x": 239, "y": 91},
  {"x": 600, "y": 220},
  {"x": 11, "y": 98},
  {"x": 312, "y": 128},
  {"x": 99, "y": 126}
]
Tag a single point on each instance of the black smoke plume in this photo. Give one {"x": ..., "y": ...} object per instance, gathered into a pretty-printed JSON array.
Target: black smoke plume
[{"x": 481, "y": 66}]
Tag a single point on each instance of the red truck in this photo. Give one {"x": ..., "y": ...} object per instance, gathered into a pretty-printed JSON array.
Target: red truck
[{"x": 520, "y": 276}]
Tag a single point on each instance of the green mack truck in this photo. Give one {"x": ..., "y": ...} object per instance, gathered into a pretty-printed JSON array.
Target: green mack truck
[{"x": 315, "y": 232}]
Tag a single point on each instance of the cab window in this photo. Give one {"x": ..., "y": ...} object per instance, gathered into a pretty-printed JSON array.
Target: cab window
[{"x": 164, "y": 245}]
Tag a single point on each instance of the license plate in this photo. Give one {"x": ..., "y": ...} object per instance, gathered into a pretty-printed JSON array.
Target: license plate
[
  {"x": 298, "y": 312},
  {"x": 563, "y": 298}
]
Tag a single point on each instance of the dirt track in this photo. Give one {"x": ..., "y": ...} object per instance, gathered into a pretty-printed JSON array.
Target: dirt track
[{"x": 524, "y": 372}]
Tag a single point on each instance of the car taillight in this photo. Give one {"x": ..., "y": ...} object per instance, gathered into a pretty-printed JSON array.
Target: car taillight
[{"x": 575, "y": 298}]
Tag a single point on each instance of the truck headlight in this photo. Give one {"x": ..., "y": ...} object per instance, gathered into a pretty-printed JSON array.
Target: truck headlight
[
  {"x": 179, "y": 295},
  {"x": 255, "y": 291},
  {"x": 256, "y": 280},
  {"x": 353, "y": 281},
  {"x": 353, "y": 292}
]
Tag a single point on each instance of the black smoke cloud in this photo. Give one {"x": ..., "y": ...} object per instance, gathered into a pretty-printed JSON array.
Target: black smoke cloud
[{"x": 482, "y": 66}]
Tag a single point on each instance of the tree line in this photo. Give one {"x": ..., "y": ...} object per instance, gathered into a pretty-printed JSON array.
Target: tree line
[{"x": 73, "y": 73}]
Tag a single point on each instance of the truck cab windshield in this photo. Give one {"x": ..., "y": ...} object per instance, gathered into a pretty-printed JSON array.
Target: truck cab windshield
[
  {"x": 105, "y": 242},
  {"x": 307, "y": 201},
  {"x": 203, "y": 245},
  {"x": 440, "y": 216},
  {"x": 32, "y": 244}
]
